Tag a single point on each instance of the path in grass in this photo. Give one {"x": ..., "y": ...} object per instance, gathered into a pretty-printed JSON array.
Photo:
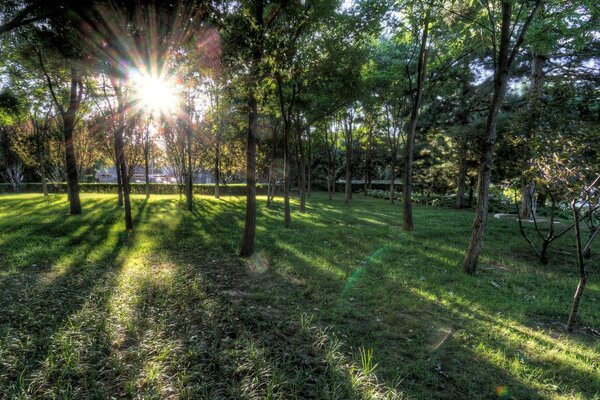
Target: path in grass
[{"x": 170, "y": 311}]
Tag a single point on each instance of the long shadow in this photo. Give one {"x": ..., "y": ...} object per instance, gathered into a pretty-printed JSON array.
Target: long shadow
[
  {"x": 41, "y": 303},
  {"x": 242, "y": 332},
  {"x": 185, "y": 317}
]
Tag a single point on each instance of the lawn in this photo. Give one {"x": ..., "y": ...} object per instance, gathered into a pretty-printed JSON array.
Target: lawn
[{"x": 343, "y": 305}]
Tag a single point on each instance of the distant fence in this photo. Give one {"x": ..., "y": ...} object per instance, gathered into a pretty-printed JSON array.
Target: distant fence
[{"x": 236, "y": 189}]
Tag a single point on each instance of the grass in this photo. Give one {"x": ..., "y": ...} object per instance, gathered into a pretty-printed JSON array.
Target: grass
[{"x": 344, "y": 305}]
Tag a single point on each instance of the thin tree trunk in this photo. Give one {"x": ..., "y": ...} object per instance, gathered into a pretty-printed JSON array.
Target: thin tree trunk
[
  {"x": 410, "y": 135},
  {"x": 119, "y": 181},
  {"x": 269, "y": 183},
  {"x": 392, "y": 178},
  {"x": 189, "y": 192},
  {"x": 40, "y": 156},
  {"x": 120, "y": 148},
  {"x": 248, "y": 240},
  {"x": 471, "y": 188},
  {"x": 528, "y": 184},
  {"x": 146, "y": 163},
  {"x": 309, "y": 164},
  {"x": 44, "y": 183},
  {"x": 348, "y": 131},
  {"x": 218, "y": 162},
  {"x": 301, "y": 165},
  {"x": 583, "y": 274},
  {"x": 287, "y": 219},
  {"x": 462, "y": 175},
  {"x": 70, "y": 159},
  {"x": 247, "y": 248},
  {"x": 367, "y": 174}
]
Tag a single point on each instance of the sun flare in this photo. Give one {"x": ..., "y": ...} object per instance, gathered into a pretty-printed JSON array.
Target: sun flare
[{"x": 155, "y": 94}]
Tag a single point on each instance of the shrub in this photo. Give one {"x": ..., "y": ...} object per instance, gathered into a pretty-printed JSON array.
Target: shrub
[{"x": 236, "y": 189}]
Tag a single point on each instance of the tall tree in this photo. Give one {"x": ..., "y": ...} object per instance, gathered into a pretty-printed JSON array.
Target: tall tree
[
  {"x": 504, "y": 56},
  {"x": 416, "y": 98}
]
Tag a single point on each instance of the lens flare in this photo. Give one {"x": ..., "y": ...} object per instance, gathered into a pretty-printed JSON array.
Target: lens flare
[
  {"x": 154, "y": 94},
  {"x": 502, "y": 392}
]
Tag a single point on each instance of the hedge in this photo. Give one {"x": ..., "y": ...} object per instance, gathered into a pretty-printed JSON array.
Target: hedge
[
  {"x": 497, "y": 204},
  {"x": 236, "y": 189}
]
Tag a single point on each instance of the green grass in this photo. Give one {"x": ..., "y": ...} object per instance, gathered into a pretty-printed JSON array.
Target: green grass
[{"x": 343, "y": 305}]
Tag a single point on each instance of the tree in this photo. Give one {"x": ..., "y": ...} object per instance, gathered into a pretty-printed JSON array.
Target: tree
[
  {"x": 68, "y": 116},
  {"x": 504, "y": 56},
  {"x": 416, "y": 99}
]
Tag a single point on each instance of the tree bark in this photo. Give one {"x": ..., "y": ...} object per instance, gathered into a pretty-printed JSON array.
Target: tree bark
[{"x": 410, "y": 135}]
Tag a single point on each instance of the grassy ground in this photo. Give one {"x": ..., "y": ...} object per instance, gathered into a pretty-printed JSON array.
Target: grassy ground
[{"x": 344, "y": 305}]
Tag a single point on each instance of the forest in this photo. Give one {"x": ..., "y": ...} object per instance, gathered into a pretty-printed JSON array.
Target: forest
[{"x": 333, "y": 199}]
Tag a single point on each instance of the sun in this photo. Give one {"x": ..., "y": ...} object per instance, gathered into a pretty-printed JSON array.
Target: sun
[{"x": 154, "y": 94}]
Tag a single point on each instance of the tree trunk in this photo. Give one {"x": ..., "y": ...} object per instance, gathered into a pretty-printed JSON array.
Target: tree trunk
[
  {"x": 462, "y": 175},
  {"x": 287, "y": 219},
  {"x": 583, "y": 274},
  {"x": 301, "y": 165},
  {"x": 471, "y": 188},
  {"x": 247, "y": 247},
  {"x": 119, "y": 181},
  {"x": 44, "y": 183},
  {"x": 410, "y": 135},
  {"x": 40, "y": 157},
  {"x": 70, "y": 160},
  {"x": 503, "y": 63},
  {"x": 309, "y": 164},
  {"x": 218, "y": 162},
  {"x": 367, "y": 175},
  {"x": 269, "y": 183},
  {"x": 120, "y": 149},
  {"x": 189, "y": 184},
  {"x": 527, "y": 184},
  {"x": 146, "y": 164},
  {"x": 348, "y": 131},
  {"x": 487, "y": 149},
  {"x": 392, "y": 178}
]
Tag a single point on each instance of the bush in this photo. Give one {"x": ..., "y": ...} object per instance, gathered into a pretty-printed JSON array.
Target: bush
[
  {"x": 236, "y": 189},
  {"x": 497, "y": 202}
]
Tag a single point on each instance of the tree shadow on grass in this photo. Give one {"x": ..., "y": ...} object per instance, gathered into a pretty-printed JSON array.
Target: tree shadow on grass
[
  {"x": 171, "y": 311},
  {"x": 193, "y": 329},
  {"x": 51, "y": 314},
  {"x": 245, "y": 329}
]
